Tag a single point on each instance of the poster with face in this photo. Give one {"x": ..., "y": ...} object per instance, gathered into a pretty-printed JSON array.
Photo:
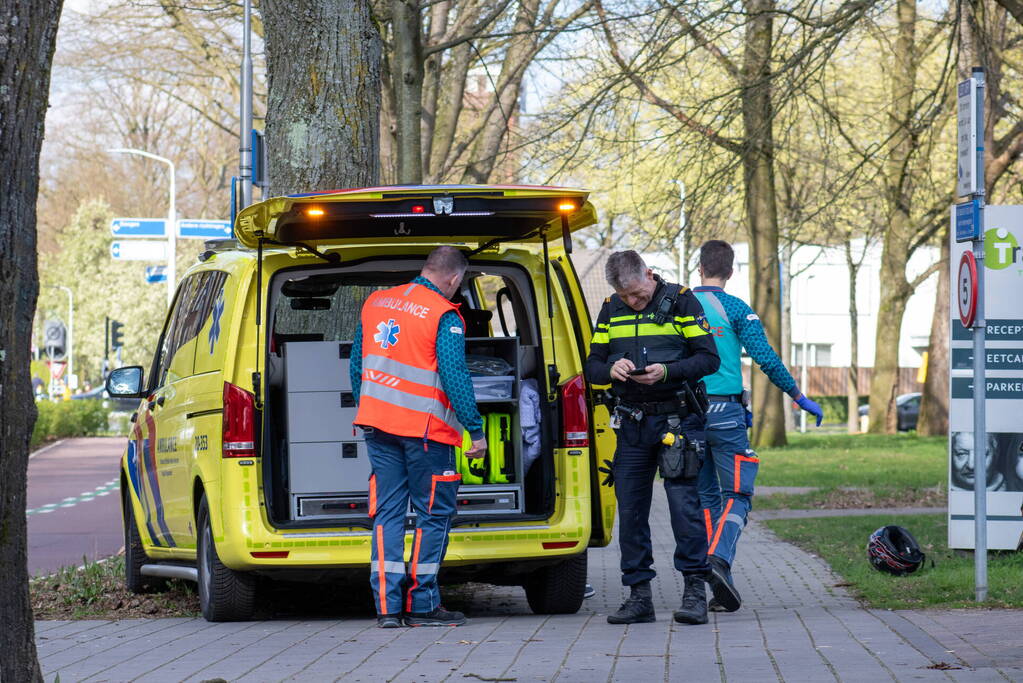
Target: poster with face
[{"x": 1003, "y": 381}]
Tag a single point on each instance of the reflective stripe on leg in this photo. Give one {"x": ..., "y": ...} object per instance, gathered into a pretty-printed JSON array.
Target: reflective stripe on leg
[
  {"x": 414, "y": 569},
  {"x": 708, "y": 523},
  {"x": 381, "y": 570},
  {"x": 721, "y": 525}
]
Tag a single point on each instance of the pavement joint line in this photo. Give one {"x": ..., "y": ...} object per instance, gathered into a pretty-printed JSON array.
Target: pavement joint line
[
  {"x": 618, "y": 651},
  {"x": 206, "y": 627},
  {"x": 885, "y": 617},
  {"x": 813, "y": 643},
  {"x": 767, "y": 648},
  {"x": 568, "y": 650},
  {"x": 295, "y": 624},
  {"x": 869, "y": 650},
  {"x": 468, "y": 654},
  {"x": 295, "y": 675},
  {"x": 75, "y": 633},
  {"x": 384, "y": 641},
  {"x": 172, "y": 624}
]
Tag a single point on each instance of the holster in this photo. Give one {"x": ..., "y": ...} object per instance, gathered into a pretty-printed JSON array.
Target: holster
[{"x": 680, "y": 460}]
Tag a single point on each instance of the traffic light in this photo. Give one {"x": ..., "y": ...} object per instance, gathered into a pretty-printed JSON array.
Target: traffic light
[
  {"x": 116, "y": 334},
  {"x": 55, "y": 339}
]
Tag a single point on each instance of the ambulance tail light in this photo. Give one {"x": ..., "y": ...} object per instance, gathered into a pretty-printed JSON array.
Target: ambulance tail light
[
  {"x": 575, "y": 414},
  {"x": 239, "y": 433}
]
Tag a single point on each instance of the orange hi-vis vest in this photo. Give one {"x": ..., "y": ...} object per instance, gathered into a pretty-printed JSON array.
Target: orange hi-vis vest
[{"x": 401, "y": 388}]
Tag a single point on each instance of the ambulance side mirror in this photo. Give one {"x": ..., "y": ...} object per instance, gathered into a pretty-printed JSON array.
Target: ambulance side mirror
[{"x": 125, "y": 382}]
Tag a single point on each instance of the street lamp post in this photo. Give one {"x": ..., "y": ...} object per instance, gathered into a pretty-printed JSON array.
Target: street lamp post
[{"x": 172, "y": 227}]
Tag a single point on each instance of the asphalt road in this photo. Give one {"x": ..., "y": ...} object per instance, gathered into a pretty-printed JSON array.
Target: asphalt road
[{"x": 73, "y": 503}]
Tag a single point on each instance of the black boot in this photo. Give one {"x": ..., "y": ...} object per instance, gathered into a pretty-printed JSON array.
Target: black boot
[
  {"x": 720, "y": 581},
  {"x": 694, "y": 602},
  {"x": 638, "y": 609}
]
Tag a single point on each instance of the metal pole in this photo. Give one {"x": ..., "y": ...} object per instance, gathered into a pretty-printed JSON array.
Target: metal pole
[
  {"x": 245, "y": 134},
  {"x": 172, "y": 227},
  {"x": 979, "y": 381},
  {"x": 70, "y": 330}
]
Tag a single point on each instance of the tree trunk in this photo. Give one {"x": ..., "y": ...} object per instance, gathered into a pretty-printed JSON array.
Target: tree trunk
[
  {"x": 509, "y": 83},
  {"x": 388, "y": 125},
  {"x": 431, "y": 82},
  {"x": 323, "y": 109},
  {"x": 26, "y": 53},
  {"x": 449, "y": 110},
  {"x": 853, "y": 383},
  {"x": 761, "y": 210},
  {"x": 895, "y": 290},
  {"x": 406, "y": 21},
  {"x": 933, "y": 420}
]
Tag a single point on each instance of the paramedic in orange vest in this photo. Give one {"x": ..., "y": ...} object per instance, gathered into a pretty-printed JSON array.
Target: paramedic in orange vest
[{"x": 415, "y": 399}]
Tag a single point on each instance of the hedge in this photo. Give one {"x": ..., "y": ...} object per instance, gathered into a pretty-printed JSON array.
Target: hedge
[{"x": 64, "y": 419}]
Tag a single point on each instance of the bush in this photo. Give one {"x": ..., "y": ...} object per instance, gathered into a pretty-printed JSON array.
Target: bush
[{"x": 65, "y": 419}]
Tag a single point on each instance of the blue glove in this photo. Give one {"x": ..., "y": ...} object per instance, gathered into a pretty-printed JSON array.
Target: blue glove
[
  {"x": 811, "y": 407},
  {"x": 749, "y": 419}
]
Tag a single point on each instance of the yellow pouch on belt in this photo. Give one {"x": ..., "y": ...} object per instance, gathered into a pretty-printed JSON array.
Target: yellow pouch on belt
[
  {"x": 500, "y": 454},
  {"x": 472, "y": 471}
]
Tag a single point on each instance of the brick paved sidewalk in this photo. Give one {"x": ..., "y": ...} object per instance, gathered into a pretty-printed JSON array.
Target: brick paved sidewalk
[{"x": 795, "y": 625}]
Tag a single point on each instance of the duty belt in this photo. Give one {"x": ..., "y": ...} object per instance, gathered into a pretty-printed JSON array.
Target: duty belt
[
  {"x": 656, "y": 408},
  {"x": 725, "y": 398}
]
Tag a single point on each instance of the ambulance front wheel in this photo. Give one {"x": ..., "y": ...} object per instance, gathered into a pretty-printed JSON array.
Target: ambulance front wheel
[
  {"x": 135, "y": 556},
  {"x": 559, "y": 588},
  {"x": 224, "y": 594}
]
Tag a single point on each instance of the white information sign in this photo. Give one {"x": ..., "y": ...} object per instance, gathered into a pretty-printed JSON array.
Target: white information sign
[
  {"x": 966, "y": 162},
  {"x": 139, "y": 250},
  {"x": 1003, "y": 362}
]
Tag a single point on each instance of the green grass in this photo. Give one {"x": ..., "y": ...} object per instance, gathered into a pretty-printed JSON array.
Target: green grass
[
  {"x": 946, "y": 580},
  {"x": 844, "y": 498},
  {"x": 857, "y": 460}
]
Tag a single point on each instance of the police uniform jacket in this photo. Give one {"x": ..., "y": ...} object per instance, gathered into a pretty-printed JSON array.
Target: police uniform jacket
[{"x": 683, "y": 344}]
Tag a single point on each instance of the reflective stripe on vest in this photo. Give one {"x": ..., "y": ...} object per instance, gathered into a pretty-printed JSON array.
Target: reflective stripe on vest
[{"x": 401, "y": 390}]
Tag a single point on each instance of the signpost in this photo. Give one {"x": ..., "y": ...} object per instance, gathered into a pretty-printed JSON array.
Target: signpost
[
  {"x": 138, "y": 250},
  {"x": 204, "y": 229},
  {"x": 138, "y": 227},
  {"x": 970, "y": 294}
]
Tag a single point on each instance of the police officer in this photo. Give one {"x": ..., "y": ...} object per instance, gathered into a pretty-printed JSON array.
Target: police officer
[
  {"x": 728, "y": 471},
  {"x": 651, "y": 338},
  {"x": 415, "y": 399}
]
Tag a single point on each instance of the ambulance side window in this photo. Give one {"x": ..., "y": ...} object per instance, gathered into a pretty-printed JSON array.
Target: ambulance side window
[{"x": 180, "y": 326}]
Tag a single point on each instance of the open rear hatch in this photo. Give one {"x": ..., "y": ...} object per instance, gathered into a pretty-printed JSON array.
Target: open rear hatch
[{"x": 436, "y": 214}]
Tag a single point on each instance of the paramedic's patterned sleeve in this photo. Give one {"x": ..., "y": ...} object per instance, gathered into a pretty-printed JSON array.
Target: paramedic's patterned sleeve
[
  {"x": 454, "y": 375},
  {"x": 598, "y": 369},
  {"x": 703, "y": 356},
  {"x": 355, "y": 363},
  {"x": 751, "y": 335}
]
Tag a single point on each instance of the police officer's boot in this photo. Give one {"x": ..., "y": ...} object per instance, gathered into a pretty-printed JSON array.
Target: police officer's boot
[
  {"x": 694, "y": 602},
  {"x": 638, "y": 609},
  {"x": 721, "y": 584}
]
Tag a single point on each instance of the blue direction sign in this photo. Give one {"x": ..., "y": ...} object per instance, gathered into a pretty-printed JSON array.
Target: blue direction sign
[
  {"x": 138, "y": 227},
  {"x": 156, "y": 274},
  {"x": 968, "y": 221},
  {"x": 204, "y": 229}
]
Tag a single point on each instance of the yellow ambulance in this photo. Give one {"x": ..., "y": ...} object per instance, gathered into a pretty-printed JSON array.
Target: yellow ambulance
[{"x": 243, "y": 463}]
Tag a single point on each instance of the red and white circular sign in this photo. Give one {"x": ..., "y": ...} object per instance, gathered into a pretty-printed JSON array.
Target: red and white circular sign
[{"x": 966, "y": 289}]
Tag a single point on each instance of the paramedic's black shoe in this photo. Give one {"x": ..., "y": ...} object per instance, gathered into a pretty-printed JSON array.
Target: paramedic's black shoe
[
  {"x": 638, "y": 609},
  {"x": 694, "y": 602},
  {"x": 389, "y": 621},
  {"x": 589, "y": 591},
  {"x": 720, "y": 580},
  {"x": 715, "y": 606},
  {"x": 438, "y": 617}
]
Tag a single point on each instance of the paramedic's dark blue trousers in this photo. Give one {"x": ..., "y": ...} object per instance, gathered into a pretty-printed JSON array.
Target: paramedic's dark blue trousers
[
  {"x": 635, "y": 466},
  {"x": 405, "y": 467}
]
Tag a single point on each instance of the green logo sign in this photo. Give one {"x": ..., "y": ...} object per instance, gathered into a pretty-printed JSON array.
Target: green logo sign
[{"x": 1001, "y": 249}]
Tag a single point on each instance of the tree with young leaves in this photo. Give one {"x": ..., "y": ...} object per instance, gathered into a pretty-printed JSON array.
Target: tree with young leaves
[{"x": 28, "y": 32}]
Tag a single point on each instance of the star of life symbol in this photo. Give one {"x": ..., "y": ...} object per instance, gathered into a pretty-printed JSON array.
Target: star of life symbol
[
  {"x": 218, "y": 312},
  {"x": 387, "y": 334}
]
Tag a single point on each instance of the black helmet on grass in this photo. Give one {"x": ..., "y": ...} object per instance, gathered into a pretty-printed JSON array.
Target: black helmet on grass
[{"x": 893, "y": 549}]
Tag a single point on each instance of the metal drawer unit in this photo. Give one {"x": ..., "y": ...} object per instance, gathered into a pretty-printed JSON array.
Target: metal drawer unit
[{"x": 328, "y": 466}]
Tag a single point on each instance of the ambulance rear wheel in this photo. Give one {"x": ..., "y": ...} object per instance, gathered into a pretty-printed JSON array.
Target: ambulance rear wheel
[
  {"x": 558, "y": 589},
  {"x": 224, "y": 594},
  {"x": 135, "y": 556}
]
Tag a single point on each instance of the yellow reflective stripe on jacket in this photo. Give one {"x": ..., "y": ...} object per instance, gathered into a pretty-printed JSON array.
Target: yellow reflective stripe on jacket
[
  {"x": 600, "y": 338},
  {"x": 642, "y": 330},
  {"x": 693, "y": 330}
]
